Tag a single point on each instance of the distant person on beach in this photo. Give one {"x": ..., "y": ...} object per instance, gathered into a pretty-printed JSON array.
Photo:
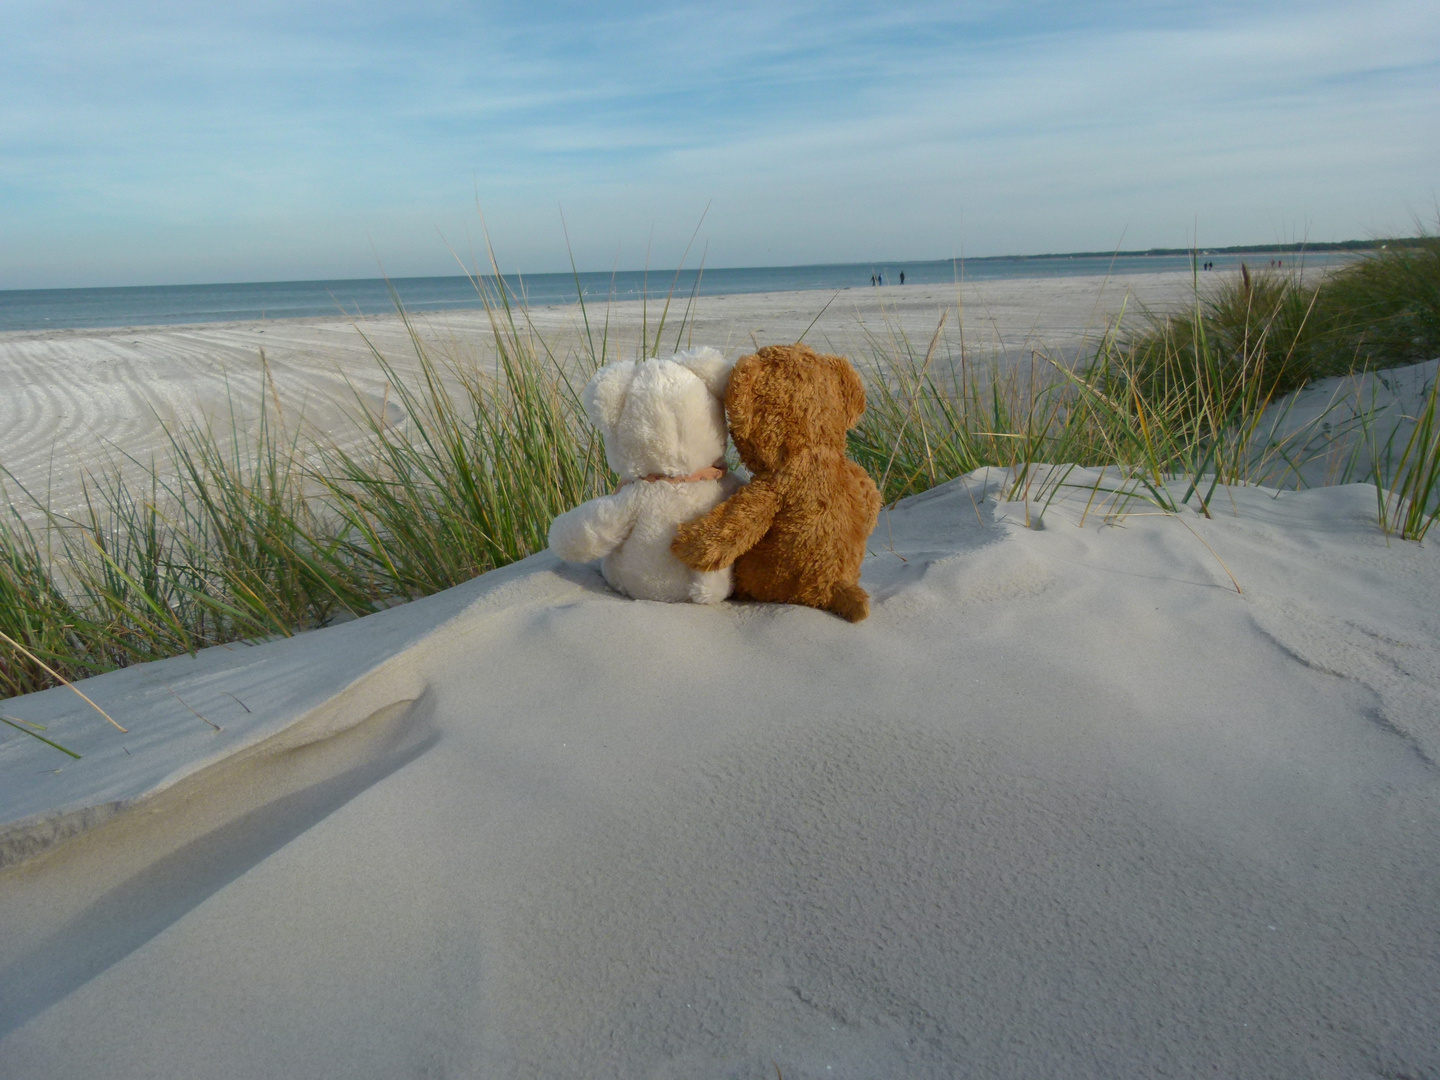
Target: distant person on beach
[
  {"x": 902, "y": 277},
  {"x": 872, "y": 279},
  {"x": 880, "y": 278}
]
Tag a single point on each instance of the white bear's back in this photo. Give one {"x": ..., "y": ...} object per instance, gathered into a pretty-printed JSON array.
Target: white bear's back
[{"x": 644, "y": 567}]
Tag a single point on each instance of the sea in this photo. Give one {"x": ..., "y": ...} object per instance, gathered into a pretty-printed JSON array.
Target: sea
[{"x": 161, "y": 305}]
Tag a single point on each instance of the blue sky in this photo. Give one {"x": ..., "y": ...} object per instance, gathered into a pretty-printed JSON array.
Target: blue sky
[{"x": 146, "y": 143}]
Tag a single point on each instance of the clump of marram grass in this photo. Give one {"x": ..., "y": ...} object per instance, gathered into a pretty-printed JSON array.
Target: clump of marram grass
[
  {"x": 470, "y": 480},
  {"x": 1380, "y": 311},
  {"x": 251, "y": 535},
  {"x": 1407, "y": 478},
  {"x": 35, "y": 613},
  {"x": 938, "y": 415},
  {"x": 220, "y": 546},
  {"x": 1281, "y": 331}
]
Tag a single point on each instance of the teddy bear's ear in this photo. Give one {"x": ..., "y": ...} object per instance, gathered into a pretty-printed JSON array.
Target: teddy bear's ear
[
  {"x": 852, "y": 391},
  {"x": 740, "y": 395},
  {"x": 604, "y": 395},
  {"x": 713, "y": 368}
]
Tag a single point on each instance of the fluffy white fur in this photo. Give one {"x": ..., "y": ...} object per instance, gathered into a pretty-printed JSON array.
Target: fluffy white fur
[{"x": 663, "y": 417}]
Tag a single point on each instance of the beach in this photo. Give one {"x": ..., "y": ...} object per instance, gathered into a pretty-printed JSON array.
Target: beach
[
  {"x": 1096, "y": 790},
  {"x": 88, "y": 399}
]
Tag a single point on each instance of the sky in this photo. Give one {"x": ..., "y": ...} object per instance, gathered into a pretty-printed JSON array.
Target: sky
[{"x": 172, "y": 143}]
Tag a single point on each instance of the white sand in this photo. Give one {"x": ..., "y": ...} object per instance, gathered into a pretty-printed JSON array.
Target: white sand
[
  {"x": 1067, "y": 805},
  {"x": 73, "y": 399},
  {"x": 1334, "y": 430}
]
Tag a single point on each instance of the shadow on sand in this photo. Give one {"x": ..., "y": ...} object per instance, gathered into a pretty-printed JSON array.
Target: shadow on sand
[{"x": 224, "y": 821}]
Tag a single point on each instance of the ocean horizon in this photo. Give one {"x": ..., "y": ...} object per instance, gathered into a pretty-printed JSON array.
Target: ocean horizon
[{"x": 164, "y": 305}]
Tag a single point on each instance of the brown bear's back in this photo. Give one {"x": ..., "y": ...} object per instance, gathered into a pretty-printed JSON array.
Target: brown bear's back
[{"x": 828, "y": 508}]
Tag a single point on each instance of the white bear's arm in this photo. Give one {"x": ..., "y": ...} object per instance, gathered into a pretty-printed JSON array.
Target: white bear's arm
[{"x": 594, "y": 529}]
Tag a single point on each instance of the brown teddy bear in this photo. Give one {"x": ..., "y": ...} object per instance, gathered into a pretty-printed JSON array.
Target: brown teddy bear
[{"x": 796, "y": 533}]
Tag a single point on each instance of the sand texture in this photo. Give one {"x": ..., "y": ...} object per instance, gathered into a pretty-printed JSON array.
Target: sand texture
[
  {"x": 1067, "y": 804},
  {"x": 73, "y": 399}
]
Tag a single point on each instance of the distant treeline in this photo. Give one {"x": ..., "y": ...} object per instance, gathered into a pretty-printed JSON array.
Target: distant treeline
[{"x": 1237, "y": 249}]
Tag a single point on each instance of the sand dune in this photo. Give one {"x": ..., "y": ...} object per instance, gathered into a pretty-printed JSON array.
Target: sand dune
[{"x": 1066, "y": 805}]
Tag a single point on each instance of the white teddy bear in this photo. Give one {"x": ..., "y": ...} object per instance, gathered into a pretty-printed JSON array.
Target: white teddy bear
[{"x": 663, "y": 422}]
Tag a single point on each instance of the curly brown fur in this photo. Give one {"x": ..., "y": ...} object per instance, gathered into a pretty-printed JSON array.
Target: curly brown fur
[{"x": 796, "y": 533}]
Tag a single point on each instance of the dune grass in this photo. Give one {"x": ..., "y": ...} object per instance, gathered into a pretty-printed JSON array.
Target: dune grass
[
  {"x": 260, "y": 529},
  {"x": 244, "y": 536},
  {"x": 934, "y": 416},
  {"x": 1407, "y": 486},
  {"x": 1255, "y": 337},
  {"x": 1285, "y": 329}
]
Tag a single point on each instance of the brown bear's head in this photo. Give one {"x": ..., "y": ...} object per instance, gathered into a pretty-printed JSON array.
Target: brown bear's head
[{"x": 788, "y": 397}]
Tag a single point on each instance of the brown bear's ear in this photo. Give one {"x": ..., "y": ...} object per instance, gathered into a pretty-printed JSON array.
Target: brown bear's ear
[
  {"x": 852, "y": 391},
  {"x": 740, "y": 395}
]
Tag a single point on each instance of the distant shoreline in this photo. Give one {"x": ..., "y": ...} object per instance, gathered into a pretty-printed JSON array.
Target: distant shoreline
[
  {"x": 1234, "y": 249},
  {"x": 659, "y": 273},
  {"x": 40, "y": 310}
]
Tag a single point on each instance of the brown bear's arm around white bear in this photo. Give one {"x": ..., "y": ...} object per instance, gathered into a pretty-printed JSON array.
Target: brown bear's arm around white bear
[
  {"x": 716, "y": 540},
  {"x": 596, "y": 528}
]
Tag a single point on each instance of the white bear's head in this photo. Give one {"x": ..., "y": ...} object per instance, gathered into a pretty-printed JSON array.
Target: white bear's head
[{"x": 661, "y": 416}]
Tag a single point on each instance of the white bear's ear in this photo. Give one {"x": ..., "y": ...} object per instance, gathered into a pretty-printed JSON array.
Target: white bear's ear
[
  {"x": 713, "y": 369},
  {"x": 604, "y": 395}
]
